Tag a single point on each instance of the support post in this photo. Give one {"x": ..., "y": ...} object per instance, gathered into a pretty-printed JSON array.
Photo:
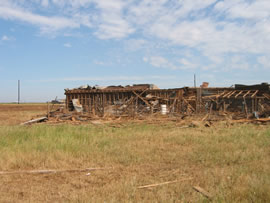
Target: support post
[{"x": 19, "y": 91}]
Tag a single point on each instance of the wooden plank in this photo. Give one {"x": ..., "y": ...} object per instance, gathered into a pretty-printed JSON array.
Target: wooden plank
[
  {"x": 254, "y": 94},
  {"x": 146, "y": 102},
  {"x": 231, "y": 94},
  {"x": 203, "y": 192},
  {"x": 164, "y": 183},
  {"x": 189, "y": 105},
  {"x": 221, "y": 94},
  {"x": 127, "y": 103},
  {"x": 172, "y": 105},
  {"x": 246, "y": 94},
  {"x": 224, "y": 96},
  {"x": 266, "y": 96},
  {"x": 35, "y": 120},
  {"x": 238, "y": 94},
  {"x": 49, "y": 171},
  {"x": 246, "y": 109}
]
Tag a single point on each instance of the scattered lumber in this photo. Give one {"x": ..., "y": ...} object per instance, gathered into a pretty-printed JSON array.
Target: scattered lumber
[
  {"x": 203, "y": 192},
  {"x": 50, "y": 171},
  {"x": 259, "y": 120},
  {"x": 235, "y": 105},
  {"x": 37, "y": 120},
  {"x": 164, "y": 183}
]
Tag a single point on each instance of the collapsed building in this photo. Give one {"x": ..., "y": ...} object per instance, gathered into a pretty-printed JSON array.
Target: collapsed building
[{"x": 149, "y": 99}]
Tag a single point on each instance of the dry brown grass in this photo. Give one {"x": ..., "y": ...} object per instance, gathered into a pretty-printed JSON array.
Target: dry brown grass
[
  {"x": 232, "y": 163},
  {"x": 13, "y": 114}
]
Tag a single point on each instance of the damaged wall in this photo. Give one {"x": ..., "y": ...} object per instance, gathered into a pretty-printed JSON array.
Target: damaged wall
[{"x": 147, "y": 99}]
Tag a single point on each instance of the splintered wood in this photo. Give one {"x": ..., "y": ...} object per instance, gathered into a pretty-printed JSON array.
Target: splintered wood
[
  {"x": 50, "y": 171},
  {"x": 203, "y": 192},
  {"x": 141, "y": 102},
  {"x": 164, "y": 183}
]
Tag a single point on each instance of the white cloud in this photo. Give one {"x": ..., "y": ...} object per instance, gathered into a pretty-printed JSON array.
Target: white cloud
[
  {"x": 136, "y": 44},
  {"x": 111, "y": 22},
  {"x": 258, "y": 9},
  {"x": 54, "y": 23},
  {"x": 5, "y": 38},
  {"x": 187, "y": 64},
  {"x": 68, "y": 45},
  {"x": 213, "y": 29},
  {"x": 101, "y": 63},
  {"x": 45, "y": 3},
  {"x": 265, "y": 61},
  {"x": 160, "y": 62},
  {"x": 114, "y": 28}
]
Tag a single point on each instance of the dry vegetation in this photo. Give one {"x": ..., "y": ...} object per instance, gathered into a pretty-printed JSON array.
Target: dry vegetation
[
  {"x": 12, "y": 114},
  {"x": 230, "y": 162}
]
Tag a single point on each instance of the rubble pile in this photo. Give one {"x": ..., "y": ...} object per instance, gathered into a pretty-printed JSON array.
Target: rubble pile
[{"x": 240, "y": 103}]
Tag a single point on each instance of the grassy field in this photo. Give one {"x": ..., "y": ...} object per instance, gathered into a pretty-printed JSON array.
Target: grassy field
[
  {"x": 12, "y": 114},
  {"x": 230, "y": 162}
]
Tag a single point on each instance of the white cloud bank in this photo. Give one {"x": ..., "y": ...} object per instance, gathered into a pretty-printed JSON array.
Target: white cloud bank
[{"x": 214, "y": 28}]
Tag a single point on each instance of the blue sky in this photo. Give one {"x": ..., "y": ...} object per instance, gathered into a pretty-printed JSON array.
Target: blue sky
[{"x": 55, "y": 44}]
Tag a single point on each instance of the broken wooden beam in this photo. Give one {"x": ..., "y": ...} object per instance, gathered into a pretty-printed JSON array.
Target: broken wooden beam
[
  {"x": 164, "y": 183},
  {"x": 37, "y": 120},
  {"x": 49, "y": 171},
  {"x": 139, "y": 95},
  {"x": 203, "y": 192}
]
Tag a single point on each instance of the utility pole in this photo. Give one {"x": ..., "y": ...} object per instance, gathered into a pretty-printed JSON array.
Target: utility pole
[
  {"x": 195, "y": 80},
  {"x": 19, "y": 93}
]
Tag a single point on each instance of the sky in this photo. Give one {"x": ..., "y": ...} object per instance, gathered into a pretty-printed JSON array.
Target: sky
[{"x": 50, "y": 45}]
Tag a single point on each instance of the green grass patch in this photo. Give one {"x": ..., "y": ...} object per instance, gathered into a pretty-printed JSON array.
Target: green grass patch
[{"x": 233, "y": 163}]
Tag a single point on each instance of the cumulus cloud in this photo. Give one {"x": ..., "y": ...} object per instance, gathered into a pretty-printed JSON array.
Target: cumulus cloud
[{"x": 213, "y": 29}]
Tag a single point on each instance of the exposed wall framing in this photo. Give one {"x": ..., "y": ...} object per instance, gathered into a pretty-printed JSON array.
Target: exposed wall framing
[{"x": 140, "y": 100}]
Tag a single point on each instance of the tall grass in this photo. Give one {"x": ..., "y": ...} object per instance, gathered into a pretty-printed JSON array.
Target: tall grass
[{"x": 232, "y": 163}]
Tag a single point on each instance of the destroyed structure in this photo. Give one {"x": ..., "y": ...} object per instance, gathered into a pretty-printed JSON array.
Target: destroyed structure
[{"x": 144, "y": 99}]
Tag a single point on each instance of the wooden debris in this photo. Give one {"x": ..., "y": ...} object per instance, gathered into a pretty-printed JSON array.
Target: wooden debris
[
  {"x": 50, "y": 171},
  {"x": 37, "y": 120},
  {"x": 164, "y": 183},
  {"x": 207, "y": 124},
  {"x": 185, "y": 126},
  {"x": 259, "y": 120},
  {"x": 205, "y": 117},
  {"x": 203, "y": 192},
  {"x": 144, "y": 103}
]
